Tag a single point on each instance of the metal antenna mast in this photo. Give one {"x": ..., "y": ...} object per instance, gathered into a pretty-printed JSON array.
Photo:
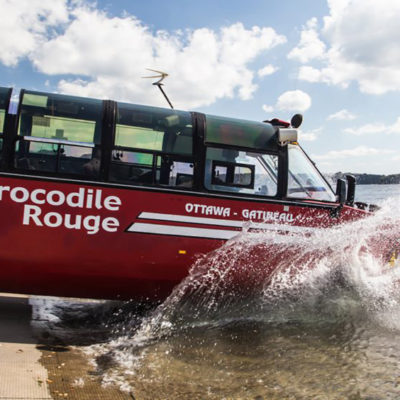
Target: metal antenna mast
[{"x": 162, "y": 76}]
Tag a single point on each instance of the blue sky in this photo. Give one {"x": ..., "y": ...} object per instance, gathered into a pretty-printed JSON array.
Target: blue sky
[{"x": 335, "y": 61}]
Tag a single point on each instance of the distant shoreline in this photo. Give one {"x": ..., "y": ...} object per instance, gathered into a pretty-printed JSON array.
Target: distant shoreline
[
  {"x": 368, "y": 179},
  {"x": 366, "y": 184}
]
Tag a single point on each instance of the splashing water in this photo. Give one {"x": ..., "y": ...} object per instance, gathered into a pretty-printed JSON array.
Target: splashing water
[{"x": 325, "y": 281}]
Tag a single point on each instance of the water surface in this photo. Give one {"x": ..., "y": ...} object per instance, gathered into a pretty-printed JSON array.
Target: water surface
[{"x": 326, "y": 326}]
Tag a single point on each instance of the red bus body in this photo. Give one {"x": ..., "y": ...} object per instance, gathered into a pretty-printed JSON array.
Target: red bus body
[
  {"x": 101, "y": 199},
  {"x": 133, "y": 260}
]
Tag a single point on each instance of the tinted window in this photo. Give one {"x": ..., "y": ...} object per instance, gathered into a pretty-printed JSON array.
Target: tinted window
[
  {"x": 241, "y": 133},
  {"x": 137, "y": 168},
  {"x": 57, "y": 158},
  {"x": 173, "y": 172},
  {"x": 55, "y": 116},
  {"x": 59, "y": 134},
  {"x": 151, "y": 128},
  {"x": 131, "y": 167}
]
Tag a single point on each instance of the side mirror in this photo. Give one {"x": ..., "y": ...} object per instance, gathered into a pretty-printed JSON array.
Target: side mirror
[
  {"x": 296, "y": 121},
  {"x": 341, "y": 191},
  {"x": 351, "y": 189}
]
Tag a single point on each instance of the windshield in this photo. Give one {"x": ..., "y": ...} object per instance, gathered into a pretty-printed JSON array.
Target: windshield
[{"x": 304, "y": 180}]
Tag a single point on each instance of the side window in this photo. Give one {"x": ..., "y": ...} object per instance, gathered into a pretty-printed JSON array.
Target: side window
[
  {"x": 153, "y": 146},
  {"x": 139, "y": 168},
  {"x": 243, "y": 175},
  {"x": 241, "y": 172},
  {"x": 131, "y": 167},
  {"x": 174, "y": 172},
  {"x": 59, "y": 134},
  {"x": 155, "y": 129},
  {"x": 231, "y": 174}
]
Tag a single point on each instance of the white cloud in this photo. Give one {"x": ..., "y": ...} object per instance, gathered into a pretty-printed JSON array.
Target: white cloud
[
  {"x": 309, "y": 136},
  {"x": 360, "y": 151},
  {"x": 25, "y": 25},
  {"x": 106, "y": 57},
  {"x": 267, "y": 70},
  {"x": 310, "y": 46},
  {"x": 267, "y": 108},
  {"x": 395, "y": 128},
  {"x": 367, "y": 129},
  {"x": 362, "y": 42},
  {"x": 292, "y": 100},
  {"x": 375, "y": 128},
  {"x": 342, "y": 115},
  {"x": 310, "y": 74}
]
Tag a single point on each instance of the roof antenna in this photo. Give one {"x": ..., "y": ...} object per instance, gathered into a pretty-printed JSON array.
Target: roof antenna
[{"x": 162, "y": 76}]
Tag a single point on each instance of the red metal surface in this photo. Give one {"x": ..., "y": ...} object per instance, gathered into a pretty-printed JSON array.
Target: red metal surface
[{"x": 115, "y": 263}]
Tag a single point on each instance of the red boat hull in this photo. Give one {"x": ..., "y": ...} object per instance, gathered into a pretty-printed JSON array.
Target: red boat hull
[{"x": 81, "y": 240}]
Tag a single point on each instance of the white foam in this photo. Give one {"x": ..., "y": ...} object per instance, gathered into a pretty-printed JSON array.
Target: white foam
[{"x": 307, "y": 267}]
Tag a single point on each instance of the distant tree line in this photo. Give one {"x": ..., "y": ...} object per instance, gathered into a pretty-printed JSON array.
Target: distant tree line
[{"x": 369, "y": 179}]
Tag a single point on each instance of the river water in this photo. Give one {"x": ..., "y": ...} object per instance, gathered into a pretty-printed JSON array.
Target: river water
[{"x": 330, "y": 332}]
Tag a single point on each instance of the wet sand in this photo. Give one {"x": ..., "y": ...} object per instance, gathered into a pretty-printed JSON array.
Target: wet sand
[
  {"x": 30, "y": 368},
  {"x": 71, "y": 377}
]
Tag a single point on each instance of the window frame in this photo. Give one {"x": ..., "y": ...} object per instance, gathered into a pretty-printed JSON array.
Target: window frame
[{"x": 281, "y": 183}]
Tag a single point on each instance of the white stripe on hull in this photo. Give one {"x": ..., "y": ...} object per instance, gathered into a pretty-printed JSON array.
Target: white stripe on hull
[
  {"x": 190, "y": 219},
  {"x": 172, "y": 230},
  {"x": 224, "y": 222}
]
